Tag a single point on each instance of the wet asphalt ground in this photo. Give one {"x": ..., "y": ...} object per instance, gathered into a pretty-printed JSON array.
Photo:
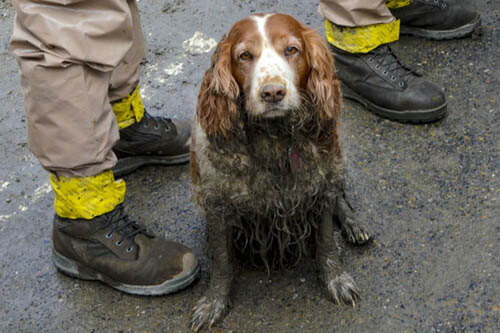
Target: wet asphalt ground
[{"x": 431, "y": 193}]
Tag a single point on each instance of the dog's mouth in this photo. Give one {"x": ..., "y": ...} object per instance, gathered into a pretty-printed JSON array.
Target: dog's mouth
[
  {"x": 267, "y": 110},
  {"x": 274, "y": 112}
]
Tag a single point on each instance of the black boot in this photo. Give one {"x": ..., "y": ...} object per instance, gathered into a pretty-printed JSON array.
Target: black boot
[
  {"x": 436, "y": 19},
  {"x": 388, "y": 88},
  {"x": 153, "y": 140}
]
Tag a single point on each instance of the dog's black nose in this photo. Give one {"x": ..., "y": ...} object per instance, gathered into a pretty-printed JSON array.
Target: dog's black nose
[{"x": 273, "y": 93}]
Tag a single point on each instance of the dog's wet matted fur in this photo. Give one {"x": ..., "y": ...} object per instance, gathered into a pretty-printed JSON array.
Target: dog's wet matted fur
[{"x": 266, "y": 160}]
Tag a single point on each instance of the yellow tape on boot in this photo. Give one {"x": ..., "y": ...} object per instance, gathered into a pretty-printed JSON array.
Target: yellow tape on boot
[
  {"x": 129, "y": 110},
  {"x": 397, "y": 3},
  {"x": 88, "y": 197},
  {"x": 361, "y": 39}
]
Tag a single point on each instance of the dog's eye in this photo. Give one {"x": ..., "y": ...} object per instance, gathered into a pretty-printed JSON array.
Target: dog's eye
[
  {"x": 291, "y": 50},
  {"x": 246, "y": 56}
]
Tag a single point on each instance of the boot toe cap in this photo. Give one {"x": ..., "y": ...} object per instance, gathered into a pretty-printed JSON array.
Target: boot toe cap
[
  {"x": 424, "y": 96},
  {"x": 183, "y": 129}
]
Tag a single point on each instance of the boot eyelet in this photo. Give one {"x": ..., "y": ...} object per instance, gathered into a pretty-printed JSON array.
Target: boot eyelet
[
  {"x": 167, "y": 128},
  {"x": 444, "y": 5},
  {"x": 385, "y": 73},
  {"x": 109, "y": 235},
  {"x": 129, "y": 249},
  {"x": 157, "y": 127},
  {"x": 370, "y": 59},
  {"x": 146, "y": 125},
  {"x": 377, "y": 67},
  {"x": 118, "y": 243},
  {"x": 393, "y": 78},
  {"x": 401, "y": 84}
]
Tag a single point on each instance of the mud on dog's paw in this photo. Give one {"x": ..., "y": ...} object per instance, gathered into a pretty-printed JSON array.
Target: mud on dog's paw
[
  {"x": 356, "y": 232},
  {"x": 207, "y": 311},
  {"x": 343, "y": 289}
]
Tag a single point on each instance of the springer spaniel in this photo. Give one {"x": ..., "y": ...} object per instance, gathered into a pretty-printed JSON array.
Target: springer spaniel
[{"x": 266, "y": 162}]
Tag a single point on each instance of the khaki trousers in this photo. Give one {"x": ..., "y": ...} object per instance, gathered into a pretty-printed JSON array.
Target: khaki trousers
[
  {"x": 355, "y": 13},
  {"x": 75, "y": 58}
]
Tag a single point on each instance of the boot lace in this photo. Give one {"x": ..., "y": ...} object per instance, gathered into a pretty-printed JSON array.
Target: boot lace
[
  {"x": 118, "y": 221},
  {"x": 156, "y": 121},
  {"x": 386, "y": 59}
]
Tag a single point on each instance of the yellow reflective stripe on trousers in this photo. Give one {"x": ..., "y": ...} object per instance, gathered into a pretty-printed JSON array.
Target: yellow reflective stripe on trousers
[
  {"x": 361, "y": 39},
  {"x": 397, "y": 3},
  {"x": 129, "y": 110},
  {"x": 88, "y": 197}
]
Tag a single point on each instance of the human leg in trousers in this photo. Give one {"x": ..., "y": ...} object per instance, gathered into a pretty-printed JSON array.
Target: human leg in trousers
[
  {"x": 67, "y": 54},
  {"x": 144, "y": 139},
  {"x": 359, "y": 33}
]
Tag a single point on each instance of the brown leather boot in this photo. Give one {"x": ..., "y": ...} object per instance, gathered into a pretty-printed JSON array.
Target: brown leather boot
[
  {"x": 119, "y": 252},
  {"x": 153, "y": 140}
]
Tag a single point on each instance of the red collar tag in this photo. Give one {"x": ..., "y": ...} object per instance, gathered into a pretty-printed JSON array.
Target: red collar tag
[{"x": 293, "y": 155}]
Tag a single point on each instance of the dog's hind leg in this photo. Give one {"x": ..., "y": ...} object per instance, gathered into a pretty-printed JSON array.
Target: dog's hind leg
[
  {"x": 355, "y": 231},
  {"x": 340, "y": 285},
  {"x": 214, "y": 304}
]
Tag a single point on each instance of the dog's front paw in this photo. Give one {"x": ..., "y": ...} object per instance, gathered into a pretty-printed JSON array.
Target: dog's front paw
[
  {"x": 355, "y": 232},
  {"x": 343, "y": 289},
  {"x": 208, "y": 310}
]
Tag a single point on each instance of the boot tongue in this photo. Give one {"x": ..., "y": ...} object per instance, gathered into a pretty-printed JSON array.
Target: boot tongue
[
  {"x": 149, "y": 129},
  {"x": 120, "y": 222},
  {"x": 388, "y": 59}
]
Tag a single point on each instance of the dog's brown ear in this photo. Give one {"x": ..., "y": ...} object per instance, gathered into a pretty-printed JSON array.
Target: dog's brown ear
[
  {"x": 217, "y": 109},
  {"x": 322, "y": 85}
]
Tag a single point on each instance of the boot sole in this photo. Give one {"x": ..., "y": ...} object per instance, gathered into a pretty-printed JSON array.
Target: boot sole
[
  {"x": 463, "y": 31},
  {"x": 74, "y": 269},
  {"x": 127, "y": 165},
  {"x": 414, "y": 116}
]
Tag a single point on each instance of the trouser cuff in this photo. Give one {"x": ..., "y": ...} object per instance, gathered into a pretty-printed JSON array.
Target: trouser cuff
[
  {"x": 361, "y": 39},
  {"x": 129, "y": 110},
  {"x": 87, "y": 197}
]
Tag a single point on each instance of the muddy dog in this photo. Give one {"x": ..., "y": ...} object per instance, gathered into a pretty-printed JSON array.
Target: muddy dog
[{"x": 266, "y": 161}]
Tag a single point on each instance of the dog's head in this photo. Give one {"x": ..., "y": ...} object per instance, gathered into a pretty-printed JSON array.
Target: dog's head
[{"x": 269, "y": 63}]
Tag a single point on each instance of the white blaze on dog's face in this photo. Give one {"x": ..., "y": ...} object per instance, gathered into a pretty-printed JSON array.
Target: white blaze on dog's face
[
  {"x": 272, "y": 89},
  {"x": 269, "y": 63}
]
